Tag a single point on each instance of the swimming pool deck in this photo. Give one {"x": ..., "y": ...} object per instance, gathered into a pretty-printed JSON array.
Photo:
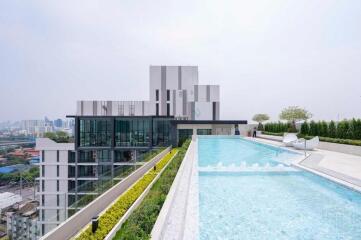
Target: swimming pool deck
[
  {"x": 179, "y": 214},
  {"x": 341, "y": 167}
]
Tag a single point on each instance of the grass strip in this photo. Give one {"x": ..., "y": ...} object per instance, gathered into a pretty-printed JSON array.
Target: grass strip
[
  {"x": 140, "y": 223},
  {"x": 111, "y": 216}
]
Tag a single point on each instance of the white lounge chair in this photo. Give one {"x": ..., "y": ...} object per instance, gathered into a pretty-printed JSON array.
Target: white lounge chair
[
  {"x": 309, "y": 145},
  {"x": 289, "y": 138}
]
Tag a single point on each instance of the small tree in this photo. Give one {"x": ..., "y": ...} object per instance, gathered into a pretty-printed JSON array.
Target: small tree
[
  {"x": 332, "y": 129},
  {"x": 293, "y": 114},
  {"x": 313, "y": 128},
  {"x": 305, "y": 128},
  {"x": 260, "y": 118}
]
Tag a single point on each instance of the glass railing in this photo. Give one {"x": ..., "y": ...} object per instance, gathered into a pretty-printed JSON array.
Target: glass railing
[{"x": 84, "y": 191}]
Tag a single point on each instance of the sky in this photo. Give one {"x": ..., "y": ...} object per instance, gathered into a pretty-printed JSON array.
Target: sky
[{"x": 265, "y": 55}]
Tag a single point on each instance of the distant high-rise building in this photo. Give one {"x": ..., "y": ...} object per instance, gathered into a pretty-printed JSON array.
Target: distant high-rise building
[{"x": 58, "y": 123}]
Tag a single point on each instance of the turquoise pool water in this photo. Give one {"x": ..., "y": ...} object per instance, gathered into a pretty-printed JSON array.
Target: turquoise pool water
[{"x": 282, "y": 204}]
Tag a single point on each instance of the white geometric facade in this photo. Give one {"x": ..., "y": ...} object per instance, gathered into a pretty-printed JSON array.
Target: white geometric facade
[{"x": 173, "y": 90}]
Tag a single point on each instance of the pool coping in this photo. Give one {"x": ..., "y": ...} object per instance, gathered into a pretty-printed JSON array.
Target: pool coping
[{"x": 176, "y": 194}]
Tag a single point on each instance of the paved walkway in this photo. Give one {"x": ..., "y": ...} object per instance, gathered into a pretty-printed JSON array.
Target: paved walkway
[{"x": 344, "y": 167}]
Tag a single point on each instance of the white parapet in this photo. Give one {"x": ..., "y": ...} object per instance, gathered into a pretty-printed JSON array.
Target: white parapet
[{"x": 178, "y": 218}]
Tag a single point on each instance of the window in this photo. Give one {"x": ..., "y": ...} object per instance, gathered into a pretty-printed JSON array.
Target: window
[
  {"x": 104, "y": 170},
  {"x": 157, "y": 109},
  {"x": 168, "y": 109},
  {"x": 57, "y": 215},
  {"x": 43, "y": 156},
  {"x": 43, "y": 186},
  {"x": 43, "y": 171},
  {"x": 71, "y": 200},
  {"x": 87, "y": 156},
  {"x": 95, "y": 133},
  {"x": 57, "y": 185},
  {"x": 161, "y": 132},
  {"x": 123, "y": 156},
  {"x": 168, "y": 95},
  {"x": 71, "y": 171},
  {"x": 204, "y": 131},
  {"x": 184, "y": 134},
  {"x": 87, "y": 171},
  {"x": 57, "y": 200},
  {"x": 71, "y": 157},
  {"x": 157, "y": 94},
  {"x": 132, "y": 132},
  {"x": 43, "y": 215},
  {"x": 57, "y": 170},
  {"x": 57, "y": 155},
  {"x": 42, "y": 200},
  {"x": 71, "y": 186}
]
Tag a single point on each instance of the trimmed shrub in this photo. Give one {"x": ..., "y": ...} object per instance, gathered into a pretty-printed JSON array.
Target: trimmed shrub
[
  {"x": 305, "y": 128},
  {"x": 110, "y": 218},
  {"x": 332, "y": 129}
]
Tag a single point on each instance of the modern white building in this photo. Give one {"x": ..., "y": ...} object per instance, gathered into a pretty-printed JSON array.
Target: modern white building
[
  {"x": 53, "y": 188},
  {"x": 173, "y": 90}
]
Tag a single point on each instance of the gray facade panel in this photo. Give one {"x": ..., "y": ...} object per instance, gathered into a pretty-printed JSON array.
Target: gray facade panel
[
  {"x": 196, "y": 93},
  {"x": 95, "y": 105},
  {"x": 184, "y": 102},
  {"x": 193, "y": 110},
  {"x": 208, "y": 94},
  {"x": 163, "y": 91},
  {"x": 179, "y": 77},
  {"x": 81, "y": 108},
  {"x": 174, "y": 102}
]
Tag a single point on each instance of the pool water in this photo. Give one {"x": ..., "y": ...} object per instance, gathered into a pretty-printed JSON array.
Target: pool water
[
  {"x": 269, "y": 204},
  {"x": 224, "y": 151}
]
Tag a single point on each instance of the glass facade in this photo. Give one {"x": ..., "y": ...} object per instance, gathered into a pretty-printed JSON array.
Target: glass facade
[
  {"x": 132, "y": 132},
  {"x": 95, "y": 133},
  {"x": 204, "y": 131},
  {"x": 122, "y": 156},
  {"x": 87, "y": 156},
  {"x": 184, "y": 134},
  {"x": 161, "y": 132}
]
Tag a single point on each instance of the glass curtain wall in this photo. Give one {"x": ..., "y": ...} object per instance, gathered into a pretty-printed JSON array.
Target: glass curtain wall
[
  {"x": 95, "y": 133},
  {"x": 132, "y": 132},
  {"x": 161, "y": 132}
]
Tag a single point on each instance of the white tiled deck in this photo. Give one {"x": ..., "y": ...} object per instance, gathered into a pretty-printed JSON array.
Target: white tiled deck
[{"x": 341, "y": 166}]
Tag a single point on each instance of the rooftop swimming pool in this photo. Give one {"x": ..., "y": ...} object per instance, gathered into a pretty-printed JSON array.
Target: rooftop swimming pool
[{"x": 247, "y": 190}]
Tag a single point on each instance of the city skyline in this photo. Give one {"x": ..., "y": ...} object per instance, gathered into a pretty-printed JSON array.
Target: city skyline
[{"x": 52, "y": 55}]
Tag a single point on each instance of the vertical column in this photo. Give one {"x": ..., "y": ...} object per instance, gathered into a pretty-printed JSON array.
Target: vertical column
[
  {"x": 163, "y": 91},
  {"x": 179, "y": 77}
]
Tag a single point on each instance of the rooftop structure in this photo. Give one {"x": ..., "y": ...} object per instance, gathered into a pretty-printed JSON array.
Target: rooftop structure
[{"x": 112, "y": 138}]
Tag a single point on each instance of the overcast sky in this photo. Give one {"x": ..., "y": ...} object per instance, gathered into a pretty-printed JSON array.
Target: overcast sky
[{"x": 266, "y": 55}]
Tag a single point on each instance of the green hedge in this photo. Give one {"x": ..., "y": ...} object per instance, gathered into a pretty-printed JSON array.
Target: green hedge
[
  {"x": 272, "y": 133},
  {"x": 278, "y": 127},
  {"x": 140, "y": 223},
  {"x": 345, "y": 129},
  {"x": 111, "y": 217}
]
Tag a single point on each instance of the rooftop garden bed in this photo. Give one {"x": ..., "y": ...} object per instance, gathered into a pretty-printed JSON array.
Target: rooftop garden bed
[
  {"x": 113, "y": 214},
  {"x": 140, "y": 223}
]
